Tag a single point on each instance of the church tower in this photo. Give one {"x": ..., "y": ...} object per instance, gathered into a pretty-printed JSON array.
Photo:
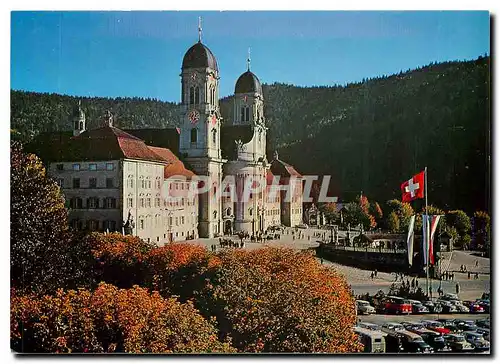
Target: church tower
[
  {"x": 200, "y": 129},
  {"x": 78, "y": 119},
  {"x": 249, "y": 165},
  {"x": 249, "y": 110}
]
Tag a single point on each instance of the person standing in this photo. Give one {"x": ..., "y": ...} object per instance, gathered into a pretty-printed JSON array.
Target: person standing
[{"x": 457, "y": 289}]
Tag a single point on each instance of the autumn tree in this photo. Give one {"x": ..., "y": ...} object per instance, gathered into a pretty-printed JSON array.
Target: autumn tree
[
  {"x": 109, "y": 320},
  {"x": 39, "y": 237},
  {"x": 403, "y": 210},
  {"x": 376, "y": 211},
  {"x": 393, "y": 222},
  {"x": 330, "y": 211},
  {"x": 481, "y": 231},
  {"x": 118, "y": 259},
  {"x": 280, "y": 300}
]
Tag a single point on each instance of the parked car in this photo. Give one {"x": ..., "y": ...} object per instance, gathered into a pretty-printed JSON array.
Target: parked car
[
  {"x": 474, "y": 307},
  {"x": 485, "y": 304},
  {"x": 477, "y": 339},
  {"x": 369, "y": 326},
  {"x": 449, "y": 296},
  {"x": 483, "y": 323},
  {"x": 373, "y": 340},
  {"x": 436, "y": 326},
  {"x": 485, "y": 332},
  {"x": 396, "y": 305},
  {"x": 417, "y": 307},
  {"x": 412, "y": 326},
  {"x": 414, "y": 343},
  {"x": 461, "y": 308},
  {"x": 447, "y": 307},
  {"x": 364, "y": 307},
  {"x": 392, "y": 327},
  {"x": 449, "y": 324},
  {"x": 393, "y": 343},
  {"x": 433, "y": 307},
  {"x": 434, "y": 339},
  {"x": 457, "y": 342},
  {"x": 465, "y": 325}
]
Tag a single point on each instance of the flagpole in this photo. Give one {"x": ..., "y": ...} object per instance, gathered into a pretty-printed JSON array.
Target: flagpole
[{"x": 426, "y": 238}]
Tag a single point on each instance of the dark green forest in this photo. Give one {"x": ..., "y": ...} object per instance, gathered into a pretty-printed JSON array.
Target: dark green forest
[{"x": 369, "y": 136}]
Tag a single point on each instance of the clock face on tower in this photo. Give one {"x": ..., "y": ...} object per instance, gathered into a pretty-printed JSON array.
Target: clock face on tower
[{"x": 194, "y": 116}]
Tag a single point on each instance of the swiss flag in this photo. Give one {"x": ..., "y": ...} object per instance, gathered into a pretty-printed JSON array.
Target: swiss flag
[{"x": 413, "y": 188}]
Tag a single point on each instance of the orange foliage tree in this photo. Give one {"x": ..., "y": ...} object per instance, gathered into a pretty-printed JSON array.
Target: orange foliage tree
[
  {"x": 109, "y": 320},
  {"x": 280, "y": 300}
]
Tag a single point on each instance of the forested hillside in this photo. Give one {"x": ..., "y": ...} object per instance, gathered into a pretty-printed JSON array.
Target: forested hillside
[
  {"x": 370, "y": 136},
  {"x": 33, "y": 112}
]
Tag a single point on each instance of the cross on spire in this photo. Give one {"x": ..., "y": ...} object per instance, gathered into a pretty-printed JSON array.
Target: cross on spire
[
  {"x": 248, "y": 60},
  {"x": 199, "y": 29}
]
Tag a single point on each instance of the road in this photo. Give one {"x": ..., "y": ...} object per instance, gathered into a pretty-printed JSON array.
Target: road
[{"x": 381, "y": 319}]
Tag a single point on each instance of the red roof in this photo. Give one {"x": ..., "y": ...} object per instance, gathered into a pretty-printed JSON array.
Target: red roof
[
  {"x": 283, "y": 169},
  {"x": 175, "y": 166},
  {"x": 107, "y": 143}
]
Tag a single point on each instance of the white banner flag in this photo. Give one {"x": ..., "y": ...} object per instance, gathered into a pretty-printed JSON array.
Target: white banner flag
[
  {"x": 409, "y": 240},
  {"x": 425, "y": 238}
]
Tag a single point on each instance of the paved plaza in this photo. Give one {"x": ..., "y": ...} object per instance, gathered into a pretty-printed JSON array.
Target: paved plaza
[{"x": 360, "y": 279}]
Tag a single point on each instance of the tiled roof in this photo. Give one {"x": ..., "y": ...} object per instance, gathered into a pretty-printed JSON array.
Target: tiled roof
[
  {"x": 175, "y": 166},
  {"x": 112, "y": 143},
  {"x": 165, "y": 138},
  {"x": 283, "y": 169}
]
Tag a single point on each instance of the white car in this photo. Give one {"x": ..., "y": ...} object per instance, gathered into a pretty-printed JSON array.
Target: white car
[
  {"x": 364, "y": 307},
  {"x": 460, "y": 306}
]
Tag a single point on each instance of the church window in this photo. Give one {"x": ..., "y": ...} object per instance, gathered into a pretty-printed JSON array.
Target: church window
[
  {"x": 196, "y": 95},
  {"x": 191, "y": 95},
  {"x": 214, "y": 137},
  {"x": 215, "y": 214},
  {"x": 194, "y": 135},
  {"x": 242, "y": 116}
]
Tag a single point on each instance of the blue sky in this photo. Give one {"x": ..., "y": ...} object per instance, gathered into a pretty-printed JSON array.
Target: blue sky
[{"x": 128, "y": 54}]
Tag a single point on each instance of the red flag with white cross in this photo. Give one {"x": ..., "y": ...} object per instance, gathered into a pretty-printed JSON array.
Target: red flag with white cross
[{"x": 413, "y": 188}]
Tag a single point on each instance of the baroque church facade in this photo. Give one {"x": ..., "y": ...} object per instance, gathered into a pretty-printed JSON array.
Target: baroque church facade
[{"x": 137, "y": 166}]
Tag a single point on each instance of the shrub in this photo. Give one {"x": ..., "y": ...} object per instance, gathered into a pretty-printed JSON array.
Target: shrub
[
  {"x": 109, "y": 320},
  {"x": 118, "y": 259},
  {"x": 180, "y": 269},
  {"x": 280, "y": 300}
]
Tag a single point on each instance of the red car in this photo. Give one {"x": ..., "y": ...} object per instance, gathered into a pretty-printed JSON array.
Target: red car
[
  {"x": 474, "y": 307},
  {"x": 436, "y": 326},
  {"x": 396, "y": 305}
]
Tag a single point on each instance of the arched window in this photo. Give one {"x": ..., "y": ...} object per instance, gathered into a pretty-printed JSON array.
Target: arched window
[
  {"x": 81, "y": 125},
  {"x": 228, "y": 211},
  {"x": 194, "y": 135},
  {"x": 214, "y": 137},
  {"x": 247, "y": 113},
  {"x": 250, "y": 211},
  {"x": 196, "y": 95},
  {"x": 215, "y": 214},
  {"x": 191, "y": 95}
]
